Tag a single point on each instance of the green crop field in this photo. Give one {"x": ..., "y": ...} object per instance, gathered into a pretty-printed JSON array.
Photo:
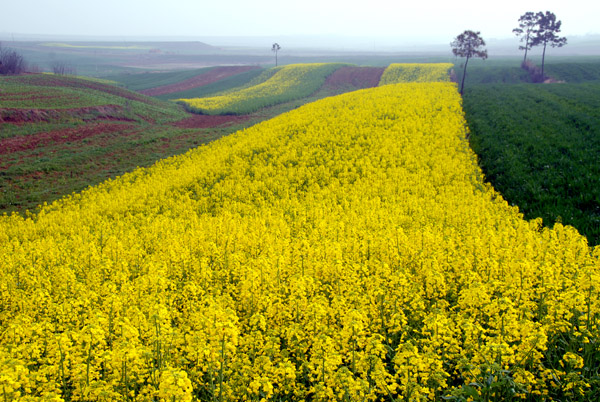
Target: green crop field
[
  {"x": 539, "y": 146},
  {"x": 575, "y": 72}
]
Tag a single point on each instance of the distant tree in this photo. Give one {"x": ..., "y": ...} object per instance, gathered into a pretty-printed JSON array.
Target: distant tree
[
  {"x": 468, "y": 44},
  {"x": 276, "y": 49},
  {"x": 11, "y": 62},
  {"x": 526, "y": 30},
  {"x": 547, "y": 34},
  {"x": 62, "y": 68}
]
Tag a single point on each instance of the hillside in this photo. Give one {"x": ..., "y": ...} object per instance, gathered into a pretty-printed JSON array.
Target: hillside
[{"x": 61, "y": 134}]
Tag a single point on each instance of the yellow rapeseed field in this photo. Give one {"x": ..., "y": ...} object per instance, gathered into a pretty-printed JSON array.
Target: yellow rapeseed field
[
  {"x": 397, "y": 73},
  {"x": 348, "y": 250}
]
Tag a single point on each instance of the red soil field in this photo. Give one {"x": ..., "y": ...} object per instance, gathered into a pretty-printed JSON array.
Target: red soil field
[
  {"x": 213, "y": 75},
  {"x": 28, "y": 142},
  {"x": 357, "y": 77},
  {"x": 205, "y": 121}
]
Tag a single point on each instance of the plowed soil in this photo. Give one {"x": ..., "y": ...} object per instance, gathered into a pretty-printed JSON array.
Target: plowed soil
[
  {"x": 213, "y": 75},
  {"x": 357, "y": 77}
]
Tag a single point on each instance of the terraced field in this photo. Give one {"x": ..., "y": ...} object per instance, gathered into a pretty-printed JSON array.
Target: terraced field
[{"x": 61, "y": 134}]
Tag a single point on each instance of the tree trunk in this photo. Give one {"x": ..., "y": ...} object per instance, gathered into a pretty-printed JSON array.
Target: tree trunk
[
  {"x": 462, "y": 85},
  {"x": 275, "y": 58},
  {"x": 526, "y": 48},
  {"x": 543, "y": 58}
]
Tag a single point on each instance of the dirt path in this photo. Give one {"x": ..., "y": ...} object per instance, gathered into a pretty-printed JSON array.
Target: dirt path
[{"x": 358, "y": 77}]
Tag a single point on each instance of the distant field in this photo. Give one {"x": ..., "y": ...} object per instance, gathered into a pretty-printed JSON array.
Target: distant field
[
  {"x": 509, "y": 71},
  {"x": 416, "y": 72},
  {"x": 575, "y": 72},
  {"x": 539, "y": 146},
  {"x": 286, "y": 84},
  {"x": 212, "y": 76},
  {"x": 95, "y": 46},
  {"x": 221, "y": 86},
  {"x": 140, "y": 81}
]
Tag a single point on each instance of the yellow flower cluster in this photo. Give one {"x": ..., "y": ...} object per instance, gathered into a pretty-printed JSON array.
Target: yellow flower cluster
[
  {"x": 415, "y": 72},
  {"x": 347, "y": 250},
  {"x": 289, "y": 82}
]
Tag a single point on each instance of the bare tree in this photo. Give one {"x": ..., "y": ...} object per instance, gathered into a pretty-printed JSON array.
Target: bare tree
[
  {"x": 468, "y": 44},
  {"x": 526, "y": 30},
  {"x": 62, "y": 68},
  {"x": 11, "y": 62},
  {"x": 276, "y": 49},
  {"x": 547, "y": 34}
]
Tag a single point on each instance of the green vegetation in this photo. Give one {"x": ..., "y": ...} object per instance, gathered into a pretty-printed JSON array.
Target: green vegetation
[
  {"x": 508, "y": 71},
  {"x": 538, "y": 146},
  {"x": 574, "y": 72},
  {"x": 493, "y": 74}
]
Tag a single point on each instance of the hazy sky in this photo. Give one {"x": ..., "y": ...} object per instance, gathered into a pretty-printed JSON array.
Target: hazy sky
[{"x": 416, "y": 21}]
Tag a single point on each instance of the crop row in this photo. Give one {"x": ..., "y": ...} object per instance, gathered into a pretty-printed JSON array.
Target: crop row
[
  {"x": 347, "y": 250},
  {"x": 289, "y": 83}
]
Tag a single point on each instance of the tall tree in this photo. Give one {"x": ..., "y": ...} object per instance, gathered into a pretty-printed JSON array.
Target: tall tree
[
  {"x": 547, "y": 34},
  {"x": 468, "y": 44},
  {"x": 526, "y": 30},
  {"x": 276, "y": 49}
]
